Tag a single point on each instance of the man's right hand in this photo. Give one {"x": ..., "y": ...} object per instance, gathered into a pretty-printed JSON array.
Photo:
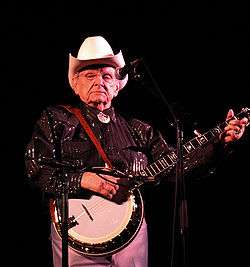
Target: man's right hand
[{"x": 105, "y": 185}]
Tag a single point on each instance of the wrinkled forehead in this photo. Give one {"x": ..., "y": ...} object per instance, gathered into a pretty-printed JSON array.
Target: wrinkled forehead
[{"x": 97, "y": 67}]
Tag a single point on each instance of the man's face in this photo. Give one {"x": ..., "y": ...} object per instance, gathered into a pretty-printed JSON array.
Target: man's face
[{"x": 97, "y": 87}]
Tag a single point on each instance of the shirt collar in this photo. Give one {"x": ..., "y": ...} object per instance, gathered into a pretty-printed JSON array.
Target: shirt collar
[{"x": 92, "y": 112}]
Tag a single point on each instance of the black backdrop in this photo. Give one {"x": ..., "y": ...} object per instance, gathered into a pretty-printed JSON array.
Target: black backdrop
[{"x": 197, "y": 53}]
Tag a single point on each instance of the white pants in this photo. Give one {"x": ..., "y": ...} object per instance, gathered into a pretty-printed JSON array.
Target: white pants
[{"x": 133, "y": 255}]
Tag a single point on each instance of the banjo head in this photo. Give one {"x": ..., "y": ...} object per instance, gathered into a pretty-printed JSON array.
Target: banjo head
[{"x": 99, "y": 227}]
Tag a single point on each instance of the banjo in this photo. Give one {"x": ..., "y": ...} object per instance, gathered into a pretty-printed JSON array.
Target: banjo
[{"x": 100, "y": 227}]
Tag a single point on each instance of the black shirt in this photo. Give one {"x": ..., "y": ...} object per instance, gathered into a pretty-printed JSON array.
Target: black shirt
[{"x": 60, "y": 149}]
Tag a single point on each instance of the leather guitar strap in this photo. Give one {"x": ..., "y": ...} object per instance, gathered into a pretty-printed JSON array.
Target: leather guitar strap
[
  {"x": 84, "y": 123},
  {"x": 87, "y": 128}
]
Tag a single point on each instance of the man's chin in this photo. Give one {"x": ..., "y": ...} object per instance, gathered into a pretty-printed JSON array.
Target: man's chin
[
  {"x": 98, "y": 98},
  {"x": 100, "y": 105}
]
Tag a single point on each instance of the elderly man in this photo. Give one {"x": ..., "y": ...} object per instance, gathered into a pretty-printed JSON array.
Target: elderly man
[{"x": 76, "y": 147}]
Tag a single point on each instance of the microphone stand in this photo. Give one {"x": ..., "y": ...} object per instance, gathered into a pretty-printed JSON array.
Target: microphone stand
[
  {"x": 63, "y": 202},
  {"x": 180, "y": 190},
  {"x": 183, "y": 212},
  {"x": 63, "y": 198},
  {"x": 64, "y": 209}
]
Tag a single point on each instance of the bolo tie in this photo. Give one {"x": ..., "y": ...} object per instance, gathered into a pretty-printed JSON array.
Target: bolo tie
[{"x": 103, "y": 117}]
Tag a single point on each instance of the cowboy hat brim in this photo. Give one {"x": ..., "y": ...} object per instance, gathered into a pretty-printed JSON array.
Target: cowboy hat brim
[{"x": 115, "y": 61}]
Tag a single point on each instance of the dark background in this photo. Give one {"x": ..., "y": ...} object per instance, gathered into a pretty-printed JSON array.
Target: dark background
[{"x": 198, "y": 55}]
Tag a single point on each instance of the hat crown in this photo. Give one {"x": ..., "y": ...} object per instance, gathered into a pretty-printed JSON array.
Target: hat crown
[
  {"x": 95, "y": 50},
  {"x": 94, "y": 47}
]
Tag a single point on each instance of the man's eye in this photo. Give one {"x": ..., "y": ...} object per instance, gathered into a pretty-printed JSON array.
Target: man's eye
[
  {"x": 107, "y": 77},
  {"x": 90, "y": 76}
]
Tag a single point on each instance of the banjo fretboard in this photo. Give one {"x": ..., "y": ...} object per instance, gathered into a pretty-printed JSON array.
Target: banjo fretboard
[{"x": 168, "y": 161}]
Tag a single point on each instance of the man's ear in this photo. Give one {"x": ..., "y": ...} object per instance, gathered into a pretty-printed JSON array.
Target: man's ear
[
  {"x": 74, "y": 84},
  {"x": 117, "y": 88}
]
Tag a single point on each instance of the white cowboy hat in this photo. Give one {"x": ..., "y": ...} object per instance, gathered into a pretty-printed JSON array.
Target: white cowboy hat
[{"x": 95, "y": 50}]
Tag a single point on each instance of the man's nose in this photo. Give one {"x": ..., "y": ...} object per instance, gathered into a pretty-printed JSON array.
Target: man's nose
[{"x": 99, "y": 79}]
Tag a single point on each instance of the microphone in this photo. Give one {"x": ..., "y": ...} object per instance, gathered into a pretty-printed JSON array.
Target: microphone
[{"x": 130, "y": 68}]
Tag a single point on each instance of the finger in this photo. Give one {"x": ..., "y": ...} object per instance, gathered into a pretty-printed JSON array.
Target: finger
[
  {"x": 244, "y": 121},
  {"x": 109, "y": 178},
  {"x": 107, "y": 186},
  {"x": 228, "y": 139},
  {"x": 106, "y": 192},
  {"x": 116, "y": 186},
  {"x": 237, "y": 132},
  {"x": 236, "y": 125},
  {"x": 236, "y": 128},
  {"x": 230, "y": 114},
  {"x": 232, "y": 135},
  {"x": 109, "y": 189},
  {"x": 112, "y": 190},
  {"x": 229, "y": 127}
]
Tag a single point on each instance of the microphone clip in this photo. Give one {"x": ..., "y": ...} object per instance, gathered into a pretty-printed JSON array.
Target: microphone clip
[{"x": 129, "y": 69}]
